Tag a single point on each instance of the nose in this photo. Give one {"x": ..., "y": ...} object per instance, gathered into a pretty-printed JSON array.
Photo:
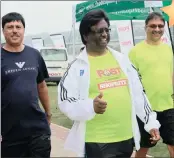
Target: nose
[
  {"x": 104, "y": 33},
  {"x": 157, "y": 28},
  {"x": 14, "y": 30}
]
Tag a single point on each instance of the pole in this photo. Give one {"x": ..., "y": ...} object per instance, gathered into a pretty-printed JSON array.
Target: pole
[
  {"x": 170, "y": 35},
  {"x": 132, "y": 32}
]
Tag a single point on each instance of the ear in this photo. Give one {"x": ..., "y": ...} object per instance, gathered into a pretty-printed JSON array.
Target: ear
[{"x": 85, "y": 38}]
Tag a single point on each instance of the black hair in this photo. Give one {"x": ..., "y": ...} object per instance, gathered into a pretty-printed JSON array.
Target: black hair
[
  {"x": 91, "y": 19},
  {"x": 13, "y": 16},
  {"x": 154, "y": 15}
]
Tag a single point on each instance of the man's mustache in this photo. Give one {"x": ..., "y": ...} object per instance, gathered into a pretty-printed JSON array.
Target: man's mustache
[{"x": 157, "y": 32}]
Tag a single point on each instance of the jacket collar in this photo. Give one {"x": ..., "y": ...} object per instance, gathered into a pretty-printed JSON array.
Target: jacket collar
[
  {"x": 121, "y": 58},
  {"x": 84, "y": 56}
]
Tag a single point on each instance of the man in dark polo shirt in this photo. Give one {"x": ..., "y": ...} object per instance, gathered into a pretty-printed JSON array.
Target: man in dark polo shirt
[{"x": 24, "y": 126}]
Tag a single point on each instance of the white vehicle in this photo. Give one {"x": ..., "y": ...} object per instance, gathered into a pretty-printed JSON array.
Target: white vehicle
[
  {"x": 37, "y": 42},
  {"x": 56, "y": 60},
  {"x": 58, "y": 40}
]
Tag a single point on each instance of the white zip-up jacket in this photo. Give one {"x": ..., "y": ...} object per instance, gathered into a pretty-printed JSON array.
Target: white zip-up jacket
[{"x": 73, "y": 100}]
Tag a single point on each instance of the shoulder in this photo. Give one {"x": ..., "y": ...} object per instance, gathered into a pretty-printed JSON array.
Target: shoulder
[
  {"x": 166, "y": 46},
  {"x": 118, "y": 54},
  {"x": 32, "y": 51},
  {"x": 137, "y": 47},
  {"x": 136, "y": 51},
  {"x": 166, "y": 49},
  {"x": 73, "y": 65},
  {"x": 3, "y": 54},
  {"x": 2, "y": 51}
]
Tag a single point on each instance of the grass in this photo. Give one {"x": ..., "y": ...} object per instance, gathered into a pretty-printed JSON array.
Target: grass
[
  {"x": 160, "y": 150},
  {"x": 57, "y": 117}
]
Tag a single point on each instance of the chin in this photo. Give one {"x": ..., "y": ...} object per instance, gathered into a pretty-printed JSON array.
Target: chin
[
  {"x": 16, "y": 43},
  {"x": 157, "y": 40},
  {"x": 103, "y": 46}
]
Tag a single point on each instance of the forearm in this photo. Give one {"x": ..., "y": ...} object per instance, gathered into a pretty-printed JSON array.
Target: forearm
[
  {"x": 44, "y": 98},
  {"x": 81, "y": 110},
  {"x": 150, "y": 118},
  {"x": 152, "y": 123}
]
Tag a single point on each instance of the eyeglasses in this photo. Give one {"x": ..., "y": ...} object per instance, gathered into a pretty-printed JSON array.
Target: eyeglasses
[
  {"x": 153, "y": 26},
  {"x": 101, "y": 30}
]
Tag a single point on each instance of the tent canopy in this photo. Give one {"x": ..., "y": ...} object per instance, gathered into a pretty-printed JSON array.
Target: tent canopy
[{"x": 120, "y": 10}]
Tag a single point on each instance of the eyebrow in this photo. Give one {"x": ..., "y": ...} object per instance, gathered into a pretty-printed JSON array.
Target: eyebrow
[{"x": 13, "y": 25}]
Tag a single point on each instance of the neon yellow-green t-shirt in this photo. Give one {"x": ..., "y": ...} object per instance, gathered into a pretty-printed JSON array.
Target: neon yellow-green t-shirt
[
  {"x": 115, "y": 124},
  {"x": 155, "y": 65}
]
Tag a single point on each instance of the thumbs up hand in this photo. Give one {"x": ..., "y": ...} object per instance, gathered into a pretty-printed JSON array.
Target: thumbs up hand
[{"x": 99, "y": 104}]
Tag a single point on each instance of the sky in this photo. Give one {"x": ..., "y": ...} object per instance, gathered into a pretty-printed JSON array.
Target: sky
[{"x": 42, "y": 16}]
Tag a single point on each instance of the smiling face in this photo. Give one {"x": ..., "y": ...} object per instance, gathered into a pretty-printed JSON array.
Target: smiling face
[
  {"x": 99, "y": 36},
  {"x": 14, "y": 33},
  {"x": 155, "y": 29}
]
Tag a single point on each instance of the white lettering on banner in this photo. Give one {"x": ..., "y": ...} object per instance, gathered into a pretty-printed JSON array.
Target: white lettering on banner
[
  {"x": 99, "y": 4},
  {"x": 130, "y": 11},
  {"x": 150, "y": 3},
  {"x": 125, "y": 37},
  {"x": 95, "y": 4},
  {"x": 112, "y": 84}
]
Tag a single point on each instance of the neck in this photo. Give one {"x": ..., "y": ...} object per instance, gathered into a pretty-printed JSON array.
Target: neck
[
  {"x": 14, "y": 49},
  {"x": 153, "y": 42},
  {"x": 95, "y": 52}
]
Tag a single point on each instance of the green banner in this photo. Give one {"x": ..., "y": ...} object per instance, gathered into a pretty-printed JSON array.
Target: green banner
[
  {"x": 129, "y": 14},
  {"x": 118, "y": 9}
]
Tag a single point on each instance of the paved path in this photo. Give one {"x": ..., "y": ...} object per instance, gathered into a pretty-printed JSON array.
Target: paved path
[{"x": 58, "y": 137}]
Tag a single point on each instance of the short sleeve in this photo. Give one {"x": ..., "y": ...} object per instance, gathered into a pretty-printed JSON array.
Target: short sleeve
[
  {"x": 132, "y": 57},
  {"x": 42, "y": 70}
]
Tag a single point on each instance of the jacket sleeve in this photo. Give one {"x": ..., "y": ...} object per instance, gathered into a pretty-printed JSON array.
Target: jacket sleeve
[
  {"x": 142, "y": 105},
  {"x": 69, "y": 101}
]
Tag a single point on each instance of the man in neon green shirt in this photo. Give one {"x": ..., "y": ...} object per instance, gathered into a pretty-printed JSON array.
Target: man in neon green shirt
[{"x": 154, "y": 62}]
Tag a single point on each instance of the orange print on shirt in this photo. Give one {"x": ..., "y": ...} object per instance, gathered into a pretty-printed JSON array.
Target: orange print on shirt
[
  {"x": 108, "y": 72},
  {"x": 112, "y": 84}
]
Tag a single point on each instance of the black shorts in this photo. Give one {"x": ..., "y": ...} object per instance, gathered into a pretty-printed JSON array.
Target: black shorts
[
  {"x": 166, "y": 119},
  {"x": 109, "y": 150},
  {"x": 34, "y": 146}
]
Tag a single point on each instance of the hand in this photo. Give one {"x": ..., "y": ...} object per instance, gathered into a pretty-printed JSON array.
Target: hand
[
  {"x": 49, "y": 118},
  {"x": 155, "y": 135},
  {"x": 99, "y": 104}
]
